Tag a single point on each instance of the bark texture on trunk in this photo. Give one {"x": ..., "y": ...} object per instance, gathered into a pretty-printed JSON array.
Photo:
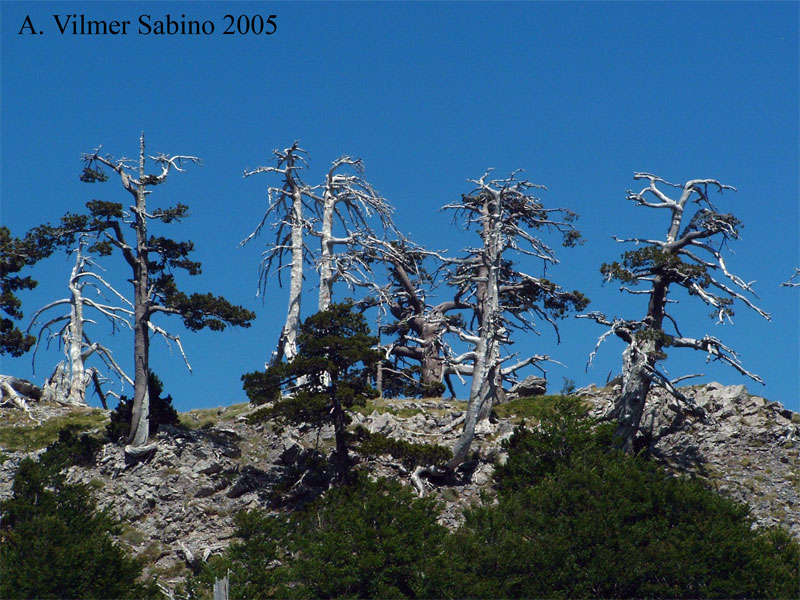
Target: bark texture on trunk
[
  {"x": 291, "y": 328},
  {"x": 326, "y": 260},
  {"x": 630, "y": 404},
  {"x": 140, "y": 417}
]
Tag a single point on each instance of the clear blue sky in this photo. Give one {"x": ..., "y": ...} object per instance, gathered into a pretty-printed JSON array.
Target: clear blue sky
[{"x": 579, "y": 95}]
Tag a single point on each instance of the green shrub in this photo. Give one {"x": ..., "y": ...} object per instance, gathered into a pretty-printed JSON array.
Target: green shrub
[
  {"x": 576, "y": 519},
  {"x": 563, "y": 433},
  {"x": 70, "y": 449},
  {"x": 161, "y": 411},
  {"x": 53, "y": 541},
  {"x": 411, "y": 455},
  {"x": 366, "y": 539}
]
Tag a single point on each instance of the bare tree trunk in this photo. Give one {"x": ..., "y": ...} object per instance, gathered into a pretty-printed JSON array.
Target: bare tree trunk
[
  {"x": 432, "y": 362},
  {"x": 487, "y": 350},
  {"x": 140, "y": 417},
  {"x": 22, "y": 386},
  {"x": 629, "y": 406},
  {"x": 79, "y": 379},
  {"x": 287, "y": 346},
  {"x": 326, "y": 275},
  {"x": 480, "y": 394},
  {"x": 221, "y": 588}
]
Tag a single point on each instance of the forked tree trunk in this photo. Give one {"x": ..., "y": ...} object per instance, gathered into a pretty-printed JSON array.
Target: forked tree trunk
[
  {"x": 80, "y": 378},
  {"x": 69, "y": 380}
]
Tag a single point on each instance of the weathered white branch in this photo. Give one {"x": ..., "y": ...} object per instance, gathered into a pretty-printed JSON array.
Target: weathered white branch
[
  {"x": 791, "y": 281},
  {"x": 717, "y": 350},
  {"x": 170, "y": 337}
]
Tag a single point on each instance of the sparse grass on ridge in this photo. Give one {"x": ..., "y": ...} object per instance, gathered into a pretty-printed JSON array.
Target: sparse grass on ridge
[{"x": 29, "y": 436}]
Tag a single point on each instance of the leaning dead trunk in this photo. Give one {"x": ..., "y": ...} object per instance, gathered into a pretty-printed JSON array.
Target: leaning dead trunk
[
  {"x": 480, "y": 396},
  {"x": 487, "y": 351}
]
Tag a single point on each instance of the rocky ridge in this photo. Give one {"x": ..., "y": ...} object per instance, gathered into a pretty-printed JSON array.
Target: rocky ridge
[{"x": 178, "y": 505}]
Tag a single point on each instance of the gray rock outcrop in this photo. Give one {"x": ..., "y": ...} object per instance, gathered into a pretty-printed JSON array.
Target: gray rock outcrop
[{"x": 530, "y": 386}]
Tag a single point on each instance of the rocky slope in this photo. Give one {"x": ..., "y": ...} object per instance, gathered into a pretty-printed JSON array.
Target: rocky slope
[{"x": 178, "y": 505}]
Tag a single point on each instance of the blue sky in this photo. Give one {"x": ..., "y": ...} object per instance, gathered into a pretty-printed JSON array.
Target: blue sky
[{"x": 429, "y": 95}]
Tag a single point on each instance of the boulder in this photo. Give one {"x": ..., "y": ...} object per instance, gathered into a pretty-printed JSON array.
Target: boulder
[
  {"x": 250, "y": 479},
  {"x": 530, "y": 386}
]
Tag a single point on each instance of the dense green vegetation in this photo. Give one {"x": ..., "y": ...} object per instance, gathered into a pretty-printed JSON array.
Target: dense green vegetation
[
  {"x": 576, "y": 519},
  {"x": 364, "y": 539},
  {"x": 54, "y": 543},
  {"x": 408, "y": 453},
  {"x": 573, "y": 519},
  {"x": 161, "y": 411}
]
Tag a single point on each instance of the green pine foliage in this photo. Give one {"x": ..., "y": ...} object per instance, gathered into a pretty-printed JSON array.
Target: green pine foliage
[
  {"x": 576, "y": 519},
  {"x": 563, "y": 434},
  {"x": 71, "y": 448},
  {"x": 161, "y": 411},
  {"x": 330, "y": 374},
  {"x": 616, "y": 527},
  {"x": 365, "y": 539},
  {"x": 54, "y": 543},
  {"x": 15, "y": 255},
  {"x": 410, "y": 454}
]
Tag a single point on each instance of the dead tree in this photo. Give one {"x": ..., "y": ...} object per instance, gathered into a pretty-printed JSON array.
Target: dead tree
[
  {"x": 507, "y": 217},
  {"x": 350, "y": 201},
  {"x": 151, "y": 260},
  {"x": 418, "y": 327},
  {"x": 286, "y": 204},
  {"x": 16, "y": 392},
  {"x": 71, "y": 377},
  {"x": 501, "y": 298},
  {"x": 690, "y": 257}
]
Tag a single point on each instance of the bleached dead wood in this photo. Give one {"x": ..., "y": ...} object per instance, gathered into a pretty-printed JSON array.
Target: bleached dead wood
[
  {"x": 791, "y": 281},
  {"x": 286, "y": 204},
  {"x": 12, "y": 387},
  {"x": 71, "y": 377},
  {"x": 348, "y": 202},
  {"x": 690, "y": 257}
]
